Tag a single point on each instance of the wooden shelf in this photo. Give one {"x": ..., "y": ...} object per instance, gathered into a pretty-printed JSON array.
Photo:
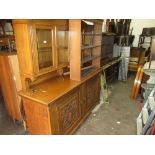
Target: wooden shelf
[
  {"x": 88, "y": 71},
  {"x": 107, "y": 44},
  {"x": 11, "y": 36},
  {"x": 85, "y": 71},
  {"x": 87, "y": 33},
  {"x": 63, "y": 65},
  {"x": 88, "y": 58},
  {"x": 89, "y": 46},
  {"x": 86, "y": 47},
  {"x": 6, "y": 51}
]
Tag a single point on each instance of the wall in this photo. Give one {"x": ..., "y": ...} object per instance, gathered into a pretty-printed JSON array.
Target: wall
[{"x": 138, "y": 25}]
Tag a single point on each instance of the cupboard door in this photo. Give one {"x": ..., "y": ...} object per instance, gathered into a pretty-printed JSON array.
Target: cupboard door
[
  {"x": 92, "y": 92},
  {"x": 45, "y": 50},
  {"x": 83, "y": 99},
  {"x": 67, "y": 113},
  {"x": 62, "y": 47}
]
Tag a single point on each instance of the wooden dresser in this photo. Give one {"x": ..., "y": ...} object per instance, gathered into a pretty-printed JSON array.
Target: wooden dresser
[
  {"x": 59, "y": 105},
  {"x": 60, "y": 72}
]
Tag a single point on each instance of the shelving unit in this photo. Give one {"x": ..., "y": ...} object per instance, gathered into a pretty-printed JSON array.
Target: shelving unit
[{"x": 84, "y": 47}]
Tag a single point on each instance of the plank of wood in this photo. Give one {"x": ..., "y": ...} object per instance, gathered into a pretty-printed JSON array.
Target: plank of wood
[
  {"x": 134, "y": 89},
  {"x": 75, "y": 49},
  {"x": 138, "y": 83},
  {"x": 8, "y": 85}
]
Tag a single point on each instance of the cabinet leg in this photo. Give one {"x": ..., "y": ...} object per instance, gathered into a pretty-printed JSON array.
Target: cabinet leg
[{"x": 24, "y": 124}]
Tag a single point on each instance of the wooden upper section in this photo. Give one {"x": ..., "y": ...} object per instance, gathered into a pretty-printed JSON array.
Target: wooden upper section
[
  {"x": 25, "y": 32},
  {"x": 50, "y": 90}
]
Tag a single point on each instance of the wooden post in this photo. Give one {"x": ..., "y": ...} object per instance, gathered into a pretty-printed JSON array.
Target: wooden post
[{"x": 75, "y": 49}]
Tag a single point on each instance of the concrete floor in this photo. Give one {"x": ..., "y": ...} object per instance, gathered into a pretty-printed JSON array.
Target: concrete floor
[
  {"x": 7, "y": 126},
  {"x": 116, "y": 118}
]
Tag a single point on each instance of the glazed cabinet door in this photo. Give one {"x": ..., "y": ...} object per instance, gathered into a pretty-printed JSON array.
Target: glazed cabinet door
[
  {"x": 66, "y": 113},
  {"x": 61, "y": 41},
  {"x": 45, "y": 53}
]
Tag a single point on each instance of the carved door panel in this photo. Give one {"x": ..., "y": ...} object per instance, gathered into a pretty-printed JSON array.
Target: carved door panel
[
  {"x": 67, "y": 112},
  {"x": 83, "y": 99},
  {"x": 92, "y": 92}
]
